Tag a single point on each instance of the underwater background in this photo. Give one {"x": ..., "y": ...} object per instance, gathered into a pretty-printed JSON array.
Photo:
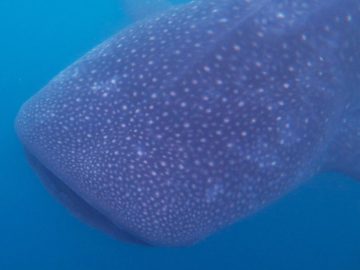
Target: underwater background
[{"x": 315, "y": 227}]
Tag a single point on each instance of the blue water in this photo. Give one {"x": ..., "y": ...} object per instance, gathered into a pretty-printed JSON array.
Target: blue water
[{"x": 314, "y": 227}]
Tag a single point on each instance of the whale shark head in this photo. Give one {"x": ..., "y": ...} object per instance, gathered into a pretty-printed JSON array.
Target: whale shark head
[{"x": 195, "y": 118}]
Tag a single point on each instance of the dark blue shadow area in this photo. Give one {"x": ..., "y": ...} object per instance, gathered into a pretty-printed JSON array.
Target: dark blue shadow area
[{"x": 314, "y": 227}]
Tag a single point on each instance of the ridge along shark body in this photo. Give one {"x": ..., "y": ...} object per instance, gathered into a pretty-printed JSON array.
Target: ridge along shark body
[{"x": 198, "y": 117}]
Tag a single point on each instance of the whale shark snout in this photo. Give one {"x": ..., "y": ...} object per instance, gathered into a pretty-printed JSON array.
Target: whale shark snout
[{"x": 187, "y": 122}]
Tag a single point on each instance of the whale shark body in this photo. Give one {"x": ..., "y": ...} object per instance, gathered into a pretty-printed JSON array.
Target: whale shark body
[{"x": 197, "y": 117}]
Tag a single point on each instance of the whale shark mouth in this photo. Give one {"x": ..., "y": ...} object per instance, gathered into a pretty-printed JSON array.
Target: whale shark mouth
[{"x": 77, "y": 205}]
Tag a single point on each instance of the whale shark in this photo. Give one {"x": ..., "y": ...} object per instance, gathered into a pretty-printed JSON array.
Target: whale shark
[{"x": 199, "y": 116}]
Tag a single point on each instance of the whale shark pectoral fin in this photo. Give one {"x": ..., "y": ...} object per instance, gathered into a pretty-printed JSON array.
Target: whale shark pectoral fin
[
  {"x": 78, "y": 206},
  {"x": 141, "y": 9}
]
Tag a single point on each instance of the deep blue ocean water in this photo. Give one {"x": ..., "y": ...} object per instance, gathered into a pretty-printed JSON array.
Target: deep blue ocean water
[{"x": 314, "y": 227}]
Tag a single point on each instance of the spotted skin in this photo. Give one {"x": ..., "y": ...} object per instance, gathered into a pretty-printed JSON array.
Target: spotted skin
[{"x": 198, "y": 117}]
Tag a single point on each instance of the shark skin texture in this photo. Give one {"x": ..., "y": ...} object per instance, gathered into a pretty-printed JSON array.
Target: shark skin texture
[{"x": 200, "y": 116}]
